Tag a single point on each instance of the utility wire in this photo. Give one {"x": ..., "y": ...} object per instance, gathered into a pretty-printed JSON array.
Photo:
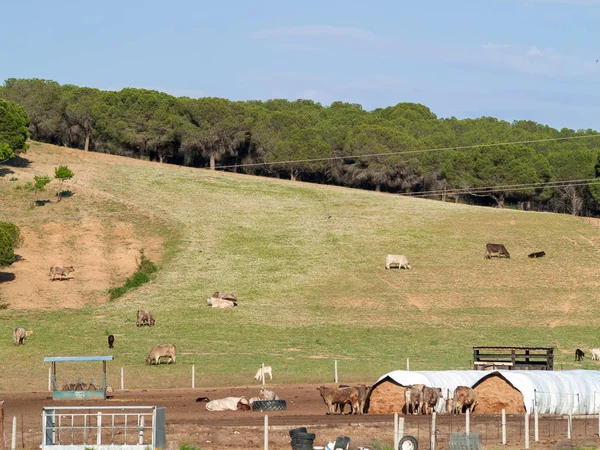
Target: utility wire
[{"x": 408, "y": 152}]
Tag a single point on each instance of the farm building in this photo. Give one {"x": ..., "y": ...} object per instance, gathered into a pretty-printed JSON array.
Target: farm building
[{"x": 561, "y": 392}]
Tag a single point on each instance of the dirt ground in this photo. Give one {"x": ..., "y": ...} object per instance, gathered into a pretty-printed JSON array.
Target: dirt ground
[{"x": 188, "y": 422}]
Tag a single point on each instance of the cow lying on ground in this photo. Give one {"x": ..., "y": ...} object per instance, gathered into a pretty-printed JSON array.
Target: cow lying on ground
[
  {"x": 399, "y": 260},
  {"x": 260, "y": 373},
  {"x": 343, "y": 396},
  {"x": 144, "y": 317},
  {"x": 226, "y": 404},
  {"x": 220, "y": 303},
  {"x": 162, "y": 351},
  {"x": 464, "y": 397},
  {"x": 579, "y": 355},
  {"x": 60, "y": 271},
  {"x": 19, "y": 335},
  {"x": 537, "y": 255},
  {"x": 496, "y": 250},
  {"x": 225, "y": 296},
  {"x": 414, "y": 398},
  {"x": 595, "y": 354}
]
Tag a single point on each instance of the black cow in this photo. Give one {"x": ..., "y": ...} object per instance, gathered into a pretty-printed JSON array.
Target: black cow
[
  {"x": 537, "y": 254},
  {"x": 111, "y": 341},
  {"x": 497, "y": 250},
  {"x": 579, "y": 355}
]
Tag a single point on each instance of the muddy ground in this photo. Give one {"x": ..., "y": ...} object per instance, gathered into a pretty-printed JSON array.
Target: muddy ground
[{"x": 188, "y": 422}]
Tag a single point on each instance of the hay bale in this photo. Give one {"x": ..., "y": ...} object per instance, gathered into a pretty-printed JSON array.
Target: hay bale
[
  {"x": 495, "y": 394},
  {"x": 387, "y": 397}
]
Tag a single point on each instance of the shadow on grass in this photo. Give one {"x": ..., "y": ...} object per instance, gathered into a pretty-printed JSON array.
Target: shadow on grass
[
  {"x": 41, "y": 202},
  {"x": 5, "y": 171},
  {"x": 17, "y": 161},
  {"x": 7, "y": 276},
  {"x": 64, "y": 194}
]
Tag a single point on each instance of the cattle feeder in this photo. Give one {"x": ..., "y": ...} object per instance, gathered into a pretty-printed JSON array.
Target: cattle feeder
[{"x": 79, "y": 389}]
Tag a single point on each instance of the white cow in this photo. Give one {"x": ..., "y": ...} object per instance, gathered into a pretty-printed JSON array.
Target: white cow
[
  {"x": 268, "y": 370},
  {"x": 226, "y": 404},
  {"x": 596, "y": 354},
  {"x": 220, "y": 303},
  {"x": 400, "y": 260}
]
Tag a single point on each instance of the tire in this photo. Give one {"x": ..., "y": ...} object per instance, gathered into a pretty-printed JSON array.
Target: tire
[
  {"x": 297, "y": 430},
  {"x": 341, "y": 442},
  {"x": 408, "y": 443},
  {"x": 269, "y": 405}
]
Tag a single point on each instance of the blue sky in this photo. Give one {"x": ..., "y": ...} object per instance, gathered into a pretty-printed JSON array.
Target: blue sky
[{"x": 511, "y": 59}]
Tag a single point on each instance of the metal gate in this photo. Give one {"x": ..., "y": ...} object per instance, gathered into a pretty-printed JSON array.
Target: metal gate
[{"x": 104, "y": 428}]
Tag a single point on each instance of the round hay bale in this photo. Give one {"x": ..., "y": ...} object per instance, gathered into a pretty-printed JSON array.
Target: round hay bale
[
  {"x": 387, "y": 397},
  {"x": 494, "y": 394}
]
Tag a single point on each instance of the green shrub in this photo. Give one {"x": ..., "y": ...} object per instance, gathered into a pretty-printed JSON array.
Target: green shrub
[{"x": 145, "y": 267}]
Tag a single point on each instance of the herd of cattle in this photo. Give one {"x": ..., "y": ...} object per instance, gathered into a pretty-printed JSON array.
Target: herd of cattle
[{"x": 579, "y": 354}]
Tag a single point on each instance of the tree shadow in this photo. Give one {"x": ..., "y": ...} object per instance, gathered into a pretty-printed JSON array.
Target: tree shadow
[
  {"x": 17, "y": 161},
  {"x": 5, "y": 171},
  {"x": 41, "y": 202},
  {"x": 64, "y": 194},
  {"x": 7, "y": 276}
]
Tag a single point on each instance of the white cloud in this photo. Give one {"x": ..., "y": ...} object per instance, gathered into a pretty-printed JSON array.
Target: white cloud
[{"x": 534, "y": 51}]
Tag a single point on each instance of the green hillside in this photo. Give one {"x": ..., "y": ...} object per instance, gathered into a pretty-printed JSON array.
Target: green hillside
[{"x": 307, "y": 264}]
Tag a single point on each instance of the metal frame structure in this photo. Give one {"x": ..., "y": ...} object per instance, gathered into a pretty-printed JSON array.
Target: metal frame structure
[
  {"x": 98, "y": 392},
  {"x": 107, "y": 428}
]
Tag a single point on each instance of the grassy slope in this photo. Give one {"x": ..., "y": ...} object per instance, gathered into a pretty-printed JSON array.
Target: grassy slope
[{"x": 313, "y": 288}]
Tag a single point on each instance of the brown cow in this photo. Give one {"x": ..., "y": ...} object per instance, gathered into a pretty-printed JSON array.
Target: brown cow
[
  {"x": 414, "y": 398},
  {"x": 225, "y": 296},
  {"x": 19, "y": 335},
  {"x": 464, "y": 397},
  {"x": 60, "y": 271},
  {"x": 144, "y": 318},
  {"x": 496, "y": 250},
  {"x": 431, "y": 396},
  {"x": 162, "y": 351},
  {"x": 333, "y": 396}
]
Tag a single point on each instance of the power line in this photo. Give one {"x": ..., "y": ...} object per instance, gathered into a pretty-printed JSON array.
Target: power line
[{"x": 408, "y": 152}]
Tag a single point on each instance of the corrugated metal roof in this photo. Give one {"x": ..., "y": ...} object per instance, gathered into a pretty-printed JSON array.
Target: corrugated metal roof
[{"x": 77, "y": 358}]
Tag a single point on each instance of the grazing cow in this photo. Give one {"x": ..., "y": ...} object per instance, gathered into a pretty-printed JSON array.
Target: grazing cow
[
  {"x": 60, "y": 271},
  {"x": 220, "y": 303},
  {"x": 162, "y": 351},
  {"x": 464, "y": 396},
  {"x": 19, "y": 335},
  {"x": 111, "y": 341},
  {"x": 414, "y": 398},
  {"x": 431, "y": 397},
  {"x": 579, "y": 355},
  {"x": 496, "y": 250},
  {"x": 262, "y": 372},
  {"x": 144, "y": 318},
  {"x": 399, "y": 260},
  {"x": 225, "y": 296},
  {"x": 595, "y": 354},
  {"x": 226, "y": 404},
  {"x": 333, "y": 396},
  {"x": 537, "y": 255}
]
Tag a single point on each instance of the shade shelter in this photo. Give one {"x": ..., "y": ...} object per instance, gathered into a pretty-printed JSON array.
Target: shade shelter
[{"x": 79, "y": 389}]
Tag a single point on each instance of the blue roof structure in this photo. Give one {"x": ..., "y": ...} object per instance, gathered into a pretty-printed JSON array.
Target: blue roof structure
[{"x": 77, "y": 358}]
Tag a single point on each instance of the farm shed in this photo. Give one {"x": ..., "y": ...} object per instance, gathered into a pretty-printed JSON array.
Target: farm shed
[
  {"x": 387, "y": 394},
  {"x": 561, "y": 392}
]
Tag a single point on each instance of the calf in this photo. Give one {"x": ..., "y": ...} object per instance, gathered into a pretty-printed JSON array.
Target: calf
[
  {"x": 595, "y": 354},
  {"x": 19, "y": 335},
  {"x": 144, "y": 317},
  {"x": 220, "y": 303},
  {"x": 496, "y": 250},
  {"x": 464, "y": 397},
  {"x": 60, "y": 271},
  {"x": 414, "y": 398},
  {"x": 537, "y": 255},
  {"x": 431, "y": 397},
  {"x": 111, "y": 341},
  {"x": 262, "y": 372},
  {"x": 399, "y": 260},
  {"x": 162, "y": 351},
  {"x": 333, "y": 396}
]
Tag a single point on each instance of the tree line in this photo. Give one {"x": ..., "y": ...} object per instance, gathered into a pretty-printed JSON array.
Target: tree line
[{"x": 393, "y": 149}]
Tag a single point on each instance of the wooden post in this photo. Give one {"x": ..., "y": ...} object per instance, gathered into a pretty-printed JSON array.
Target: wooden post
[
  {"x": 503, "y": 427},
  {"x": 49, "y": 379},
  {"x": 433, "y": 417},
  {"x": 468, "y": 422},
  {"x": 335, "y": 371},
  {"x": 13, "y": 442},
  {"x": 2, "y": 425},
  {"x": 526, "y": 431},
  {"x": 193, "y": 377},
  {"x": 266, "y": 432},
  {"x": 122, "y": 380},
  {"x": 396, "y": 431}
]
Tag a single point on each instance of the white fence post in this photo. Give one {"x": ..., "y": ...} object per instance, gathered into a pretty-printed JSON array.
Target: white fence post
[
  {"x": 396, "y": 431},
  {"x": 335, "y": 371},
  {"x": 99, "y": 436},
  {"x": 536, "y": 425},
  {"x": 49, "y": 379},
  {"x": 13, "y": 441},
  {"x": 400, "y": 428},
  {"x": 526, "y": 431},
  {"x": 193, "y": 376},
  {"x": 468, "y": 422},
  {"x": 122, "y": 380},
  {"x": 266, "y": 432},
  {"x": 262, "y": 372},
  {"x": 407, "y": 364},
  {"x": 433, "y": 417},
  {"x": 503, "y": 427},
  {"x": 569, "y": 425},
  {"x": 141, "y": 431}
]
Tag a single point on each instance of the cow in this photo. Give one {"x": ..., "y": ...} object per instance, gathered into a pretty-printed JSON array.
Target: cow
[
  {"x": 266, "y": 394},
  {"x": 19, "y": 335},
  {"x": 226, "y": 404},
  {"x": 111, "y": 341},
  {"x": 537, "y": 255},
  {"x": 399, "y": 260},
  {"x": 431, "y": 397},
  {"x": 144, "y": 317},
  {"x": 162, "y": 351},
  {"x": 579, "y": 355},
  {"x": 464, "y": 396},
  {"x": 262, "y": 372},
  {"x": 496, "y": 250},
  {"x": 333, "y": 396},
  {"x": 363, "y": 391},
  {"x": 60, "y": 271},
  {"x": 595, "y": 354},
  {"x": 220, "y": 303},
  {"x": 225, "y": 296},
  {"x": 414, "y": 398}
]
